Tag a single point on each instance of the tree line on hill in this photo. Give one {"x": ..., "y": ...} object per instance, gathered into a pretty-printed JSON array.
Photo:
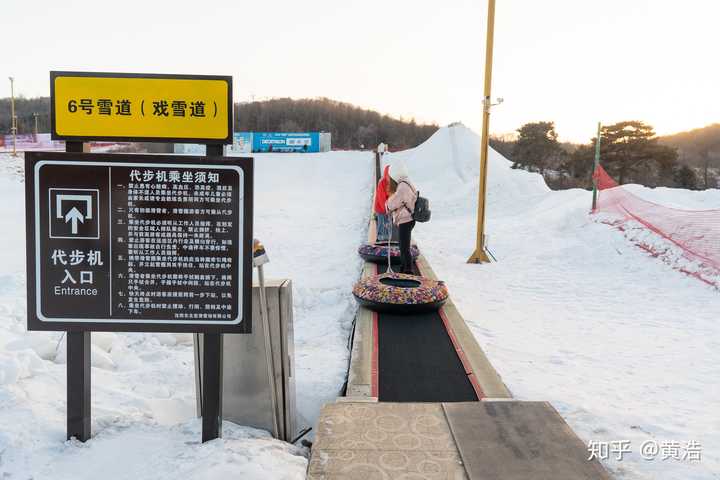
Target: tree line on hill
[
  {"x": 25, "y": 111},
  {"x": 351, "y": 127},
  {"x": 629, "y": 151}
]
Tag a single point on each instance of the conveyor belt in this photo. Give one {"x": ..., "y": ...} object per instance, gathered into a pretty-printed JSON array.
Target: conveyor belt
[{"x": 417, "y": 361}]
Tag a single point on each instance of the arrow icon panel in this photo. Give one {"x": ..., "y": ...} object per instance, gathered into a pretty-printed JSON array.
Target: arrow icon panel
[{"x": 74, "y": 213}]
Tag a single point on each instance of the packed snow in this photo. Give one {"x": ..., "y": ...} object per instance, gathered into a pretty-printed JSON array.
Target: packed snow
[
  {"x": 623, "y": 345},
  {"x": 310, "y": 211}
]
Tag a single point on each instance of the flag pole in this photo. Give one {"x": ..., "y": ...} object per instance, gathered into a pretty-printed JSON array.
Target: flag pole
[
  {"x": 480, "y": 255},
  {"x": 596, "y": 163}
]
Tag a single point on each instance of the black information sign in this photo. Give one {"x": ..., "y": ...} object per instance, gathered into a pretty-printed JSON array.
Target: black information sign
[{"x": 139, "y": 242}]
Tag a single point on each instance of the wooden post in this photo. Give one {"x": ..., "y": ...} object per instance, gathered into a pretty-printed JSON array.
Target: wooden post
[{"x": 480, "y": 256}]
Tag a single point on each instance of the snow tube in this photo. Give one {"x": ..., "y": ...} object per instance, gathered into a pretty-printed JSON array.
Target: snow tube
[
  {"x": 400, "y": 293},
  {"x": 378, "y": 252}
]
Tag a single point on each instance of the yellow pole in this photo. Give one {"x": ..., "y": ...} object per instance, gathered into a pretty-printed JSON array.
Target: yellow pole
[
  {"x": 480, "y": 256},
  {"x": 13, "y": 118}
]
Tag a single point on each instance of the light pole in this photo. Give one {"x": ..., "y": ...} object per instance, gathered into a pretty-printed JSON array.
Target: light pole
[
  {"x": 35, "y": 131},
  {"x": 480, "y": 255},
  {"x": 13, "y": 118}
]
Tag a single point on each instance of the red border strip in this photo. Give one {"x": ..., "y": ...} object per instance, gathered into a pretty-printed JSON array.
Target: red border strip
[
  {"x": 374, "y": 358},
  {"x": 461, "y": 355}
]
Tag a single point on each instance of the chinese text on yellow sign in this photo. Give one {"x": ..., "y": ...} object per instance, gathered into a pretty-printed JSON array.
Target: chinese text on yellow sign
[{"x": 135, "y": 107}]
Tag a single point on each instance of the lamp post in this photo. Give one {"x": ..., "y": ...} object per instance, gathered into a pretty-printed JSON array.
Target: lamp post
[
  {"x": 13, "y": 118},
  {"x": 35, "y": 130},
  {"x": 480, "y": 255}
]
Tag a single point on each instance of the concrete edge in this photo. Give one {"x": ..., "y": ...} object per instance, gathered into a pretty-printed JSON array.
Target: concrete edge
[
  {"x": 350, "y": 399},
  {"x": 359, "y": 383},
  {"x": 490, "y": 381}
]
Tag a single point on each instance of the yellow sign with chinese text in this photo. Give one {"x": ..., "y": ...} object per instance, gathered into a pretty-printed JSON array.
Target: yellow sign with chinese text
[{"x": 134, "y": 107}]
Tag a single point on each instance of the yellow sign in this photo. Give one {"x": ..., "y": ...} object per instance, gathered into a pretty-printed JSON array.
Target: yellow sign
[{"x": 133, "y": 107}]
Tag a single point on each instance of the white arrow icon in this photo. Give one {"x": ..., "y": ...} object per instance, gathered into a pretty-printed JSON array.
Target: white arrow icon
[{"x": 74, "y": 216}]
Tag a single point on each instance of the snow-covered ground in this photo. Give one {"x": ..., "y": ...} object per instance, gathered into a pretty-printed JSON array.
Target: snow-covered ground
[
  {"x": 625, "y": 347},
  {"x": 311, "y": 212}
]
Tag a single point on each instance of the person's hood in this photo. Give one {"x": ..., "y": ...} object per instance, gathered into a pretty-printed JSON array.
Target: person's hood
[{"x": 398, "y": 171}]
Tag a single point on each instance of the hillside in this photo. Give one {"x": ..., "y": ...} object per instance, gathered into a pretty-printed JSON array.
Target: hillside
[
  {"x": 698, "y": 148},
  {"x": 351, "y": 126}
]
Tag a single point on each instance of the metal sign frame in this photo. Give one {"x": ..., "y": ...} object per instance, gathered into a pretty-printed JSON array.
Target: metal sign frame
[
  {"x": 156, "y": 161},
  {"x": 214, "y": 141}
]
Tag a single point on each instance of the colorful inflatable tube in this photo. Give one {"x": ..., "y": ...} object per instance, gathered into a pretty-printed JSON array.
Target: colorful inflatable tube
[
  {"x": 400, "y": 293},
  {"x": 378, "y": 252}
]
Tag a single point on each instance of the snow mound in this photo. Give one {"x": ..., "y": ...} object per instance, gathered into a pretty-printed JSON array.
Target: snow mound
[{"x": 446, "y": 167}]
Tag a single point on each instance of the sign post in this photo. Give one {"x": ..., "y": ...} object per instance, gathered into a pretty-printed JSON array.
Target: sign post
[{"x": 151, "y": 243}]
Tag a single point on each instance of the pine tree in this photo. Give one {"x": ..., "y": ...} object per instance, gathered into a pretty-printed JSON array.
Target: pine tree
[
  {"x": 685, "y": 177},
  {"x": 537, "y": 147},
  {"x": 630, "y": 152}
]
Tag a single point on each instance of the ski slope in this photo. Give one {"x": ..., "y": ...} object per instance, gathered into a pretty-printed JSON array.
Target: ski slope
[{"x": 625, "y": 347}]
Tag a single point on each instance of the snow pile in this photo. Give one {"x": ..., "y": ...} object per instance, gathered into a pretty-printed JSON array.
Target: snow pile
[
  {"x": 445, "y": 169},
  {"x": 623, "y": 346},
  {"x": 311, "y": 213}
]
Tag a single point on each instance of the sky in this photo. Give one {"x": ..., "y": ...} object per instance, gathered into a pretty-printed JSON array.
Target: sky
[{"x": 574, "y": 62}]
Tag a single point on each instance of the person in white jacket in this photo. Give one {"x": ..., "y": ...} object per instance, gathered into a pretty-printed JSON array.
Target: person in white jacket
[{"x": 401, "y": 206}]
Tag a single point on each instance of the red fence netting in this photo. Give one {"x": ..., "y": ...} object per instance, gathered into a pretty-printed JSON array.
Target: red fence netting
[{"x": 695, "y": 232}]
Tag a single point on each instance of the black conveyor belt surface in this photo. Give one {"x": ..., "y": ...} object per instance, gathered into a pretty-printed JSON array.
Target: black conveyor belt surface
[{"x": 417, "y": 361}]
